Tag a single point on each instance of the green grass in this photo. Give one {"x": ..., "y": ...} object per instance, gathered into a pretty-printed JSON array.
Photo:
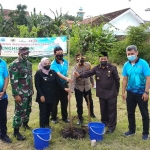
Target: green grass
[{"x": 115, "y": 141}]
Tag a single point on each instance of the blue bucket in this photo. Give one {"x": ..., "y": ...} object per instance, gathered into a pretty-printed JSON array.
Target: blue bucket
[
  {"x": 96, "y": 131},
  {"x": 42, "y": 136}
]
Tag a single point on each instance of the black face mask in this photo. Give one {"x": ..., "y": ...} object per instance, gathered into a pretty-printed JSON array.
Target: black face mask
[
  {"x": 104, "y": 63},
  {"x": 47, "y": 67},
  {"x": 81, "y": 62},
  {"x": 59, "y": 57}
]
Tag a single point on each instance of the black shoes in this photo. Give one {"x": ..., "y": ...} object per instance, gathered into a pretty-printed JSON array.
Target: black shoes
[
  {"x": 6, "y": 139},
  {"x": 80, "y": 122},
  {"x": 25, "y": 126},
  {"x": 55, "y": 121},
  {"x": 17, "y": 135},
  {"x": 93, "y": 116},
  {"x": 109, "y": 131},
  {"x": 66, "y": 120}
]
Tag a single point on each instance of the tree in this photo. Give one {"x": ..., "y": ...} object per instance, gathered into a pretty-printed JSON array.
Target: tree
[{"x": 19, "y": 15}]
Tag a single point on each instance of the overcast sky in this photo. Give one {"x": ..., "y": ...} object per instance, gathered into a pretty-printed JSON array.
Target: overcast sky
[{"x": 90, "y": 7}]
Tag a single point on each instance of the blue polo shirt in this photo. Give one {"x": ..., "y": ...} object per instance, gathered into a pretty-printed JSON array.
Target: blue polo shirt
[
  {"x": 3, "y": 74},
  {"x": 58, "y": 67},
  {"x": 136, "y": 74}
]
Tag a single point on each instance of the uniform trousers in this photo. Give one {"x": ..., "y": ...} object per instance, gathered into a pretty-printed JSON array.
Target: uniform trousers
[
  {"x": 22, "y": 111},
  {"x": 108, "y": 110},
  {"x": 79, "y": 100}
]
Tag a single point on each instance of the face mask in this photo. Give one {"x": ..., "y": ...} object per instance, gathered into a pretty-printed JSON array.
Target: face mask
[
  {"x": 59, "y": 57},
  {"x": 104, "y": 63},
  {"x": 131, "y": 57},
  {"x": 47, "y": 67},
  {"x": 25, "y": 57},
  {"x": 81, "y": 62}
]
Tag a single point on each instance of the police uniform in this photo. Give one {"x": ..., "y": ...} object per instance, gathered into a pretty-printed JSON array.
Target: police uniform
[{"x": 82, "y": 88}]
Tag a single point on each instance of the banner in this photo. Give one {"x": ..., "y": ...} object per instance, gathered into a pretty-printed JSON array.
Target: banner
[{"x": 38, "y": 46}]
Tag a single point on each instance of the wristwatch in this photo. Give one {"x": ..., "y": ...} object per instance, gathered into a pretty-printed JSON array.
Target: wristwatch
[{"x": 146, "y": 92}]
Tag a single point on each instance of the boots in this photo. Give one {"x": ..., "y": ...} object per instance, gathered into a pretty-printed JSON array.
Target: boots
[
  {"x": 25, "y": 126},
  {"x": 17, "y": 135}
]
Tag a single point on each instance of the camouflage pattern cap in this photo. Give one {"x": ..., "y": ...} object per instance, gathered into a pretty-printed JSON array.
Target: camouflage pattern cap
[{"x": 23, "y": 49}]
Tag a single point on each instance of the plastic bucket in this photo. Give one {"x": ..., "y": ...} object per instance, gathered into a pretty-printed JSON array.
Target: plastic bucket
[
  {"x": 96, "y": 131},
  {"x": 42, "y": 136}
]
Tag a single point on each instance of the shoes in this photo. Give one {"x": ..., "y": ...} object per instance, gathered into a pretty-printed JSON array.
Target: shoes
[
  {"x": 93, "y": 116},
  {"x": 66, "y": 120},
  {"x": 25, "y": 126},
  {"x": 109, "y": 131},
  {"x": 17, "y": 135},
  {"x": 55, "y": 121},
  {"x": 80, "y": 122},
  {"x": 129, "y": 133},
  {"x": 145, "y": 137},
  {"x": 6, "y": 139}
]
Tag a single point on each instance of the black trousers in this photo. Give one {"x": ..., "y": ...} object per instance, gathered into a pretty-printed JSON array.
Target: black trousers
[
  {"x": 132, "y": 101},
  {"x": 79, "y": 100},
  {"x": 3, "y": 116},
  {"x": 108, "y": 109},
  {"x": 62, "y": 96},
  {"x": 91, "y": 101},
  {"x": 45, "y": 109}
]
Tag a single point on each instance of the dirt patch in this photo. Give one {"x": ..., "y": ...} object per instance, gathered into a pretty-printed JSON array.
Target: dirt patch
[{"x": 75, "y": 133}]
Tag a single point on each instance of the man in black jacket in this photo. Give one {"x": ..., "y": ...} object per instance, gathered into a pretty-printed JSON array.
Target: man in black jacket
[{"x": 107, "y": 89}]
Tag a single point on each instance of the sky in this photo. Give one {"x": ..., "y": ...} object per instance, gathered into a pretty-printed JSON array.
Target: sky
[{"x": 90, "y": 7}]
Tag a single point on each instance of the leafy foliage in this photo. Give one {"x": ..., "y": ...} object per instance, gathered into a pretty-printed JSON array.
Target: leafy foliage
[
  {"x": 85, "y": 39},
  {"x": 139, "y": 36}
]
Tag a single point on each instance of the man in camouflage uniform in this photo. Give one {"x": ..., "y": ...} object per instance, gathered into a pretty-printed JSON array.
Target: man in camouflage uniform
[
  {"x": 22, "y": 89},
  {"x": 82, "y": 87}
]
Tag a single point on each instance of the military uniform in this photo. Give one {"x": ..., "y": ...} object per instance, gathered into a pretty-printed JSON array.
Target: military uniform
[
  {"x": 107, "y": 88},
  {"x": 82, "y": 88},
  {"x": 21, "y": 81}
]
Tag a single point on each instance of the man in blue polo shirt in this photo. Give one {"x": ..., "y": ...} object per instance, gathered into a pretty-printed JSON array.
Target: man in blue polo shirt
[
  {"x": 60, "y": 66},
  {"x": 4, "y": 79},
  {"x": 136, "y": 81}
]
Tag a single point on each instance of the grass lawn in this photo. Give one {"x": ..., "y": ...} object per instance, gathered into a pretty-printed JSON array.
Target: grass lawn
[{"x": 115, "y": 141}]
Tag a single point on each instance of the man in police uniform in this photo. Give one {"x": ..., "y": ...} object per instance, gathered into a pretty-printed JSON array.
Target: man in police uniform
[
  {"x": 22, "y": 89},
  {"x": 4, "y": 80},
  {"x": 82, "y": 87},
  {"x": 107, "y": 89}
]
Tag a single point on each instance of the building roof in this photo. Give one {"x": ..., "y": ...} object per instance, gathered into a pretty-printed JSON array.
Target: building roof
[
  {"x": 105, "y": 17},
  {"x": 7, "y": 11}
]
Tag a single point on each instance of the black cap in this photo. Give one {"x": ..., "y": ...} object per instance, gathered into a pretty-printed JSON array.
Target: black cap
[
  {"x": 23, "y": 49},
  {"x": 80, "y": 56},
  {"x": 104, "y": 54}
]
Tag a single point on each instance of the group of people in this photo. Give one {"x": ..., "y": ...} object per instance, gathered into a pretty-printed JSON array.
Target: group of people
[{"x": 51, "y": 84}]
